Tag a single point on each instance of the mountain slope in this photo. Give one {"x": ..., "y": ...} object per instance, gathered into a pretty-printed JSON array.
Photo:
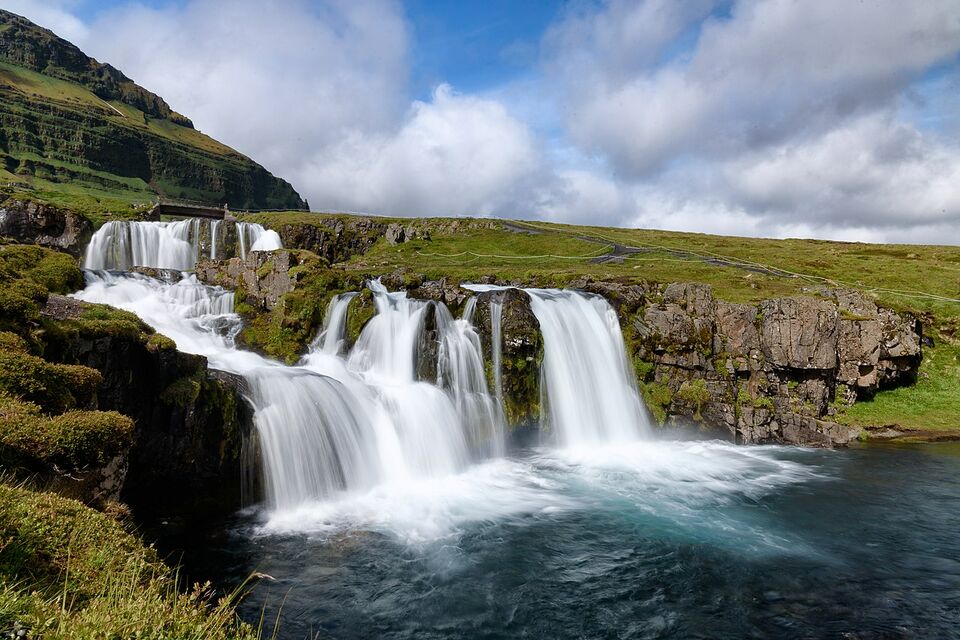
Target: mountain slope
[{"x": 70, "y": 124}]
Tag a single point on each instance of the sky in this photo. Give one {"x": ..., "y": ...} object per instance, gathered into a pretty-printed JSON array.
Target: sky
[{"x": 835, "y": 119}]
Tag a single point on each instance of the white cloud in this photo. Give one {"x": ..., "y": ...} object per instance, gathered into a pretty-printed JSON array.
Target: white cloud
[
  {"x": 279, "y": 83},
  {"x": 454, "y": 155},
  {"x": 771, "y": 71}
]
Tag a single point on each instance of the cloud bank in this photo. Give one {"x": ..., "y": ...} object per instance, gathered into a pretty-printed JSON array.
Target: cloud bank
[{"x": 756, "y": 117}]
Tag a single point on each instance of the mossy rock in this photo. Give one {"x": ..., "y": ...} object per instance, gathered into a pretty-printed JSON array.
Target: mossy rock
[
  {"x": 53, "y": 271},
  {"x": 12, "y": 343},
  {"x": 694, "y": 394},
  {"x": 657, "y": 397},
  {"x": 54, "y": 387},
  {"x": 72, "y": 440},
  {"x": 182, "y": 392}
]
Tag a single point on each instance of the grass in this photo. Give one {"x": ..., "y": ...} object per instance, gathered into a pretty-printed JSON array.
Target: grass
[{"x": 69, "y": 572}]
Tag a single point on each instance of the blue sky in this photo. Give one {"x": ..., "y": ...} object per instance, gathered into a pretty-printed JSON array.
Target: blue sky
[{"x": 757, "y": 117}]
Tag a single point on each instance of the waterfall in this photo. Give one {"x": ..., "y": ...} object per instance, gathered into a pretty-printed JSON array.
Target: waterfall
[
  {"x": 214, "y": 227},
  {"x": 332, "y": 338},
  {"x": 408, "y": 402},
  {"x": 587, "y": 382},
  {"x": 254, "y": 236},
  {"x": 120, "y": 245},
  {"x": 496, "y": 346},
  {"x": 124, "y": 244},
  {"x": 460, "y": 371}
]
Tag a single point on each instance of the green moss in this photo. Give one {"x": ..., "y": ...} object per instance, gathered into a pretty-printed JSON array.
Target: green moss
[
  {"x": 72, "y": 440},
  {"x": 657, "y": 397},
  {"x": 182, "y": 392},
  {"x": 285, "y": 331},
  {"x": 265, "y": 269},
  {"x": 695, "y": 394},
  {"x": 644, "y": 369},
  {"x": 12, "y": 343},
  {"x": 160, "y": 342},
  {"x": 745, "y": 398},
  {"x": 359, "y": 312},
  {"x": 20, "y": 305},
  {"x": 55, "y": 387}
]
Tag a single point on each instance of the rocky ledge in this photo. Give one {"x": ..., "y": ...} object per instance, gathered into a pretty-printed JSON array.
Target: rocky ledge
[
  {"x": 776, "y": 371},
  {"x": 45, "y": 225},
  {"x": 772, "y": 372}
]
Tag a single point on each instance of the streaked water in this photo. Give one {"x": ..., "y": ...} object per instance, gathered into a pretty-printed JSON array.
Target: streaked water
[
  {"x": 660, "y": 540},
  {"x": 333, "y": 337},
  {"x": 589, "y": 387},
  {"x": 122, "y": 244}
]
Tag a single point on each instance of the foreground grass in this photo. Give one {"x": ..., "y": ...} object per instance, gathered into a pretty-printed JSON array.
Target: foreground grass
[{"x": 69, "y": 572}]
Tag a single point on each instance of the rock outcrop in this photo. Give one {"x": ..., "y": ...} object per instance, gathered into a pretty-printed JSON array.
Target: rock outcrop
[
  {"x": 191, "y": 426},
  {"x": 263, "y": 277},
  {"x": 521, "y": 348},
  {"x": 45, "y": 225},
  {"x": 776, "y": 371},
  {"x": 773, "y": 372}
]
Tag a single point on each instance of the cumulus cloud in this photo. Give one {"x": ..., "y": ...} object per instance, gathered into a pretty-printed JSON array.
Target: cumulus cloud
[
  {"x": 279, "y": 82},
  {"x": 770, "y": 71},
  {"x": 454, "y": 155}
]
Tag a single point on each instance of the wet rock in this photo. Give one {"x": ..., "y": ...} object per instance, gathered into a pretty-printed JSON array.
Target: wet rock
[
  {"x": 263, "y": 276},
  {"x": 522, "y": 351},
  {"x": 449, "y": 292},
  {"x": 625, "y": 298}
]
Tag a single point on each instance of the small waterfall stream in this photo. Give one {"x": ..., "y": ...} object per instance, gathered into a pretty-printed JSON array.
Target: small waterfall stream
[
  {"x": 120, "y": 245},
  {"x": 590, "y": 388},
  {"x": 332, "y": 338}
]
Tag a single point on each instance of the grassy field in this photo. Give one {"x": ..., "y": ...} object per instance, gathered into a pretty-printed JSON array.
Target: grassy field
[{"x": 920, "y": 279}]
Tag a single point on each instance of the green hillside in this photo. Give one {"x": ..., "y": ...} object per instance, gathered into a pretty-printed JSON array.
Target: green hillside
[{"x": 80, "y": 133}]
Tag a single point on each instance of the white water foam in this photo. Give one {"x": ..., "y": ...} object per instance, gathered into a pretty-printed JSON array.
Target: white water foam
[{"x": 360, "y": 442}]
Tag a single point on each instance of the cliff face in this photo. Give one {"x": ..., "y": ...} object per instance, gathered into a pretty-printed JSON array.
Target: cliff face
[
  {"x": 774, "y": 372},
  {"x": 65, "y": 117},
  {"x": 27, "y": 45},
  {"x": 191, "y": 426}
]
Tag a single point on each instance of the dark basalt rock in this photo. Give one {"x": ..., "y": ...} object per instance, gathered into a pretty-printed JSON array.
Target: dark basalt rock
[
  {"x": 191, "y": 424},
  {"x": 45, "y": 225},
  {"x": 522, "y": 352}
]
